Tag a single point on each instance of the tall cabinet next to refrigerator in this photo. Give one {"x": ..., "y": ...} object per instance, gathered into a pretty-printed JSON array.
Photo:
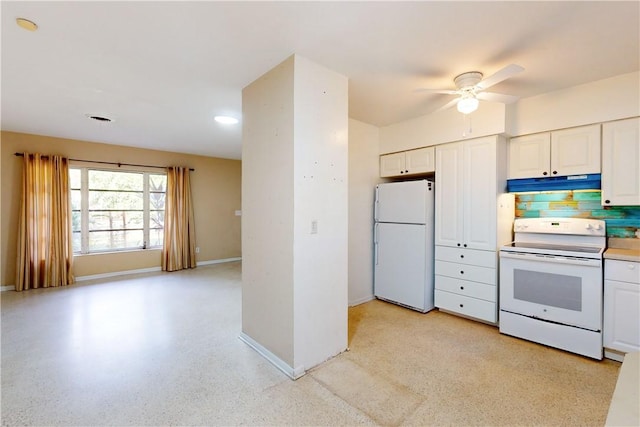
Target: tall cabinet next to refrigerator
[{"x": 403, "y": 243}]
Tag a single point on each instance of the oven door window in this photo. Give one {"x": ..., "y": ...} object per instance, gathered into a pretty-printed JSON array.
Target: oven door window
[{"x": 554, "y": 290}]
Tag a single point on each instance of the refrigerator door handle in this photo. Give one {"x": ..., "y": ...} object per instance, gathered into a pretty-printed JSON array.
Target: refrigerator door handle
[
  {"x": 375, "y": 205},
  {"x": 375, "y": 245}
]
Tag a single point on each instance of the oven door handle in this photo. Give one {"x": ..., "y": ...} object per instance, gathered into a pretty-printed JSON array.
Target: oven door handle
[{"x": 587, "y": 262}]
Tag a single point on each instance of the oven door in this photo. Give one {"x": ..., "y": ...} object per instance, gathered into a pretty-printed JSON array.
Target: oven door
[{"x": 558, "y": 289}]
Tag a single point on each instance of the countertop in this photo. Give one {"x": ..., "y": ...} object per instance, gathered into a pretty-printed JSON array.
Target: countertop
[
  {"x": 623, "y": 249},
  {"x": 624, "y": 409}
]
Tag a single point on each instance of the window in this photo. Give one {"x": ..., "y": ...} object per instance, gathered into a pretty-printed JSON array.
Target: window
[{"x": 116, "y": 210}]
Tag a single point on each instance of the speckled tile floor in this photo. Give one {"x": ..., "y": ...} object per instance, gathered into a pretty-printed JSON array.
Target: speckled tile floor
[{"x": 162, "y": 349}]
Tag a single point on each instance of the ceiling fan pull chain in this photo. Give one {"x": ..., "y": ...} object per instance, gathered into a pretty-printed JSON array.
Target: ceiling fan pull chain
[{"x": 464, "y": 125}]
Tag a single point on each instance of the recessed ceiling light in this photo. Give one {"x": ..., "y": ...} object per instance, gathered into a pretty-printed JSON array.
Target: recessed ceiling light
[
  {"x": 26, "y": 24},
  {"x": 226, "y": 120}
]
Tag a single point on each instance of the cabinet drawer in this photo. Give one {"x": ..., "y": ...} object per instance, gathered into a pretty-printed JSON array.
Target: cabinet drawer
[
  {"x": 466, "y": 256},
  {"x": 623, "y": 271},
  {"x": 467, "y": 306},
  {"x": 467, "y": 288},
  {"x": 466, "y": 272}
]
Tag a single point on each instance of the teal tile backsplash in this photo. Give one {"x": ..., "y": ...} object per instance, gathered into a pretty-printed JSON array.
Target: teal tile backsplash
[{"x": 622, "y": 221}]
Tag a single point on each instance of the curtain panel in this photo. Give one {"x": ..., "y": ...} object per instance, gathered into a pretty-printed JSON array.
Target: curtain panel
[
  {"x": 45, "y": 251},
  {"x": 179, "y": 249}
]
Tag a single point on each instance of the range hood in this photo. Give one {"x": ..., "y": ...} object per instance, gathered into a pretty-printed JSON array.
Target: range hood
[{"x": 571, "y": 182}]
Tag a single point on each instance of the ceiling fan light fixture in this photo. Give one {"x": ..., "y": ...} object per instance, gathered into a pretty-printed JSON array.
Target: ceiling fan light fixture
[{"x": 468, "y": 104}]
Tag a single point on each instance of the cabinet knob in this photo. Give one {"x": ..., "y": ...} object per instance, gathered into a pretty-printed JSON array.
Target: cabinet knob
[
  {"x": 462, "y": 288},
  {"x": 555, "y": 172},
  {"x": 458, "y": 244},
  {"x": 545, "y": 173},
  {"x": 461, "y": 272},
  {"x": 461, "y": 256},
  {"x": 461, "y": 305},
  {"x": 465, "y": 245},
  {"x": 401, "y": 171},
  {"x": 607, "y": 201},
  {"x": 406, "y": 171}
]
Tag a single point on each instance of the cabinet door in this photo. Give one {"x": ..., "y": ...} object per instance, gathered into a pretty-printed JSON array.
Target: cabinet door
[
  {"x": 480, "y": 193},
  {"x": 449, "y": 195},
  {"x": 575, "y": 151},
  {"x": 420, "y": 161},
  {"x": 392, "y": 164},
  {"x": 621, "y": 163},
  {"x": 621, "y": 316},
  {"x": 530, "y": 156}
]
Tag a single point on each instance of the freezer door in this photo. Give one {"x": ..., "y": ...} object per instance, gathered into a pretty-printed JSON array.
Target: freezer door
[
  {"x": 409, "y": 202},
  {"x": 401, "y": 265}
]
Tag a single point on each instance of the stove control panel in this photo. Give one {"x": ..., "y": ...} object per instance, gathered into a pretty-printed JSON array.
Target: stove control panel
[{"x": 575, "y": 226}]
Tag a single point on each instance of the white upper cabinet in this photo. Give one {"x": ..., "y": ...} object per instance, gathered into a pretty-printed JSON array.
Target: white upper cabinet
[
  {"x": 530, "y": 156},
  {"x": 621, "y": 163},
  {"x": 412, "y": 162},
  {"x": 466, "y": 194},
  {"x": 449, "y": 195},
  {"x": 574, "y": 151}
]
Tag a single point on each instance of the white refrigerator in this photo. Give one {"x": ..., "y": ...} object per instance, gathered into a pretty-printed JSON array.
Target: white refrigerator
[{"x": 403, "y": 243}]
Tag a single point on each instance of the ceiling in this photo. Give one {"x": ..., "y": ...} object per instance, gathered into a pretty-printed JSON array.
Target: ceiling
[{"x": 162, "y": 70}]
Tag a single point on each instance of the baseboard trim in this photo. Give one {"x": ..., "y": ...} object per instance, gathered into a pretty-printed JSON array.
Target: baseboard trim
[
  {"x": 361, "y": 300},
  {"x": 218, "y": 261},
  {"x": 7, "y": 288},
  {"x": 148, "y": 270},
  {"x": 293, "y": 373},
  {"x": 117, "y": 273}
]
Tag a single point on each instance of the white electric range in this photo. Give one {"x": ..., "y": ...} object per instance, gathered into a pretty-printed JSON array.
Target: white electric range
[{"x": 551, "y": 283}]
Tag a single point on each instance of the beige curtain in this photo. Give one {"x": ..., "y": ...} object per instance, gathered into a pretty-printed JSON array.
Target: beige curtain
[
  {"x": 45, "y": 252},
  {"x": 179, "y": 250}
]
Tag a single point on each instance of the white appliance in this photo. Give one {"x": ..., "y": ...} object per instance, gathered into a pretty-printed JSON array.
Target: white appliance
[
  {"x": 551, "y": 283},
  {"x": 403, "y": 243}
]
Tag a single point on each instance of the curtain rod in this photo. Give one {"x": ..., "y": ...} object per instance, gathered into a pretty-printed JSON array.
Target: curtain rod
[{"x": 111, "y": 163}]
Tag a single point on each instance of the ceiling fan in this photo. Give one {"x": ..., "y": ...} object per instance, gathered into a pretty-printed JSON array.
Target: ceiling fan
[{"x": 471, "y": 88}]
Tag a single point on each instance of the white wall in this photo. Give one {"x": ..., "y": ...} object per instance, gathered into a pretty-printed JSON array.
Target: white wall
[
  {"x": 363, "y": 176},
  {"x": 441, "y": 127},
  {"x": 295, "y": 155},
  {"x": 268, "y": 211},
  {"x": 320, "y": 195},
  {"x": 604, "y": 100}
]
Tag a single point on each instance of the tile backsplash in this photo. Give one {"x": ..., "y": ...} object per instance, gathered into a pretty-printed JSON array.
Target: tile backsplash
[{"x": 622, "y": 221}]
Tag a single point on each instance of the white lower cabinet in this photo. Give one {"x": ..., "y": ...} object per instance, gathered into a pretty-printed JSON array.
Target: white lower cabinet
[
  {"x": 465, "y": 282},
  {"x": 621, "y": 329}
]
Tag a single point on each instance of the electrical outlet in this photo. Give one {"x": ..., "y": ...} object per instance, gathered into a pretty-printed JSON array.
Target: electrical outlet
[{"x": 198, "y": 250}]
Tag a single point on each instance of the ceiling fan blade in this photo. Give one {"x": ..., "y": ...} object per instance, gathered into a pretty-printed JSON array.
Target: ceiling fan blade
[
  {"x": 500, "y": 75},
  {"x": 497, "y": 97},
  {"x": 448, "y": 105},
  {"x": 445, "y": 91}
]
